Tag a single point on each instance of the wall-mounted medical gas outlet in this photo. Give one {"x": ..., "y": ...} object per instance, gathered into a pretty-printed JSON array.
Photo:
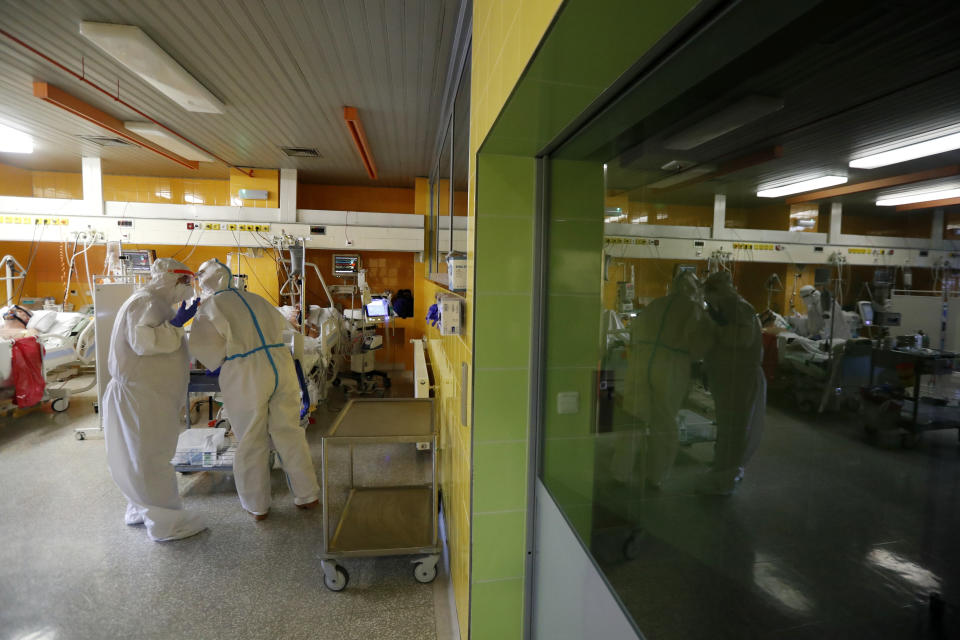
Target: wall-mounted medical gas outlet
[{"x": 451, "y": 316}]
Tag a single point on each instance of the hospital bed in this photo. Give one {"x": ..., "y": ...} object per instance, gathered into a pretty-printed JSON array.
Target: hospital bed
[
  {"x": 819, "y": 374},
  {"x": 67, "y": 339}
]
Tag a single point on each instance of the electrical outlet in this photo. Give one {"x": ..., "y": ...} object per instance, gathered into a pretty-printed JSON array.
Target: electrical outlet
[{"x": 423, "y": 446}]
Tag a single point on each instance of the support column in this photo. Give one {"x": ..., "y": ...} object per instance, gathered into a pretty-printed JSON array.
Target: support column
[
  {"x": 288, "y": 195},
  {"x": 719, "y": 215},
  {"x": 92, "y": 185},
  {"x": 936, "y": 232},
  {"x": 836, "y": 223}
]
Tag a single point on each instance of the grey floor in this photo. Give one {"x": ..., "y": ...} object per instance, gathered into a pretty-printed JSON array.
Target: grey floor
[
  {"x": 70, "y": 569},
  {"x": 828, "y": 536}
]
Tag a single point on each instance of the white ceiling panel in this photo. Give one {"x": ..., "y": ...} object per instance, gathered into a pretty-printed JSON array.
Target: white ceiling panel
[{"x": 284, "y": 69}]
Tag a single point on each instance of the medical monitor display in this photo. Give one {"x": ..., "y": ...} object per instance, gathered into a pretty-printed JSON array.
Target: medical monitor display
[
  {"x": 139, "y": 260},
  {"x": 378, "y": 308},
  {"x": 346, "y": 265}
]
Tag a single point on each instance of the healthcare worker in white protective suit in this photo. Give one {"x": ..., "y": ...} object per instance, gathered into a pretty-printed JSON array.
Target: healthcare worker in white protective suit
[
  {"x": 666, "y": 337},
  {"x": 822, "y": 324},
  {"x": 736, "y": 382},
  {"x": 141, "y": 405},
  {"x": 242, "y": 334}
]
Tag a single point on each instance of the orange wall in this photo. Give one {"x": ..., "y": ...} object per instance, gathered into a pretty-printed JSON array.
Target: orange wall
[
  {"x": 48, "y": 273},
  {"x": 349, "y": 198},
  {"x": 386, "y": 270}
]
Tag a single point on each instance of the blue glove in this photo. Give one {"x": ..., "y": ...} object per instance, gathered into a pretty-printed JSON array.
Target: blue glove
[
  {"x": 433, "y": 315},
  {"x": 184, "y": 313},
  {"x": 213, "y": 373}
]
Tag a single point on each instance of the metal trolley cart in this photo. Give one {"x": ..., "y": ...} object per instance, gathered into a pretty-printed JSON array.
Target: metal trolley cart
[
  {"x": 380, "y": 486},
  {"x": 913, "y": 403}
]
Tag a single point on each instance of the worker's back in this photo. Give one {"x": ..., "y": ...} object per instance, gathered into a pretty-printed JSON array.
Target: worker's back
[{"x": 246, "y": 320}]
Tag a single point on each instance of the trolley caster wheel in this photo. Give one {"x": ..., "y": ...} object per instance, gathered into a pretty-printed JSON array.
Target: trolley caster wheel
[
  {"x": 336, "y": 382},
  {"x": 60, "y": 404},
  {"x": 631, "y": 546},
  {"x": 425, "y": 572},
  {"x": 79, "y": 435},
  {"x": 909, "y": 440},
  {"x": 339, "y": 582}
]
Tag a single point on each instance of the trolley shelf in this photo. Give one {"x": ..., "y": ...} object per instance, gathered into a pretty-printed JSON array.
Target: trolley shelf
[
  {"x": 385, "y": 519},
  {"x": 379, "y": 481}
]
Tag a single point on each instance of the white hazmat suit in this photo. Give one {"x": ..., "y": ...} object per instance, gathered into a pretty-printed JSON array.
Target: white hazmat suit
[
  {"x": 148, "y": 368},
  {"x": 242, "y": 334},
  {"x": 666, "y": 337},
  {"x": 737, "y": 383}
]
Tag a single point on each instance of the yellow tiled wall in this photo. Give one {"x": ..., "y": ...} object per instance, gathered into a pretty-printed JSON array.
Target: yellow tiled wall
[
  {"x": 15, "y": 181},
  {"x": 57, "y": 184},
  {"x": 160, "y": 190},
  {"x": 447, "y": 355},
  {"x": 264, "y": 179}
]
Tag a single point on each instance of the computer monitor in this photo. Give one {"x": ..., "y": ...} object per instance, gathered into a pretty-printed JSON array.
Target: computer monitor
[{"x": 378, "y": 308}]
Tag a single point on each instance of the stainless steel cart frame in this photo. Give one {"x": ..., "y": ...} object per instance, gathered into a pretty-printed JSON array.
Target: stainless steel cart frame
[{"x": 388, "y": 519}]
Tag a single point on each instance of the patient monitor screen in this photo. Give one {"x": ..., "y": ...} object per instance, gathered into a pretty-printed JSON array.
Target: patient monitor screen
[
  {"x": 346, "y": 265},
  {"x": 378, "y": 308}
]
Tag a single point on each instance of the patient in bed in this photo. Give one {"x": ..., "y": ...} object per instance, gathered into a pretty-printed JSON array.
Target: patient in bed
[{"x": 15, "y": 321}]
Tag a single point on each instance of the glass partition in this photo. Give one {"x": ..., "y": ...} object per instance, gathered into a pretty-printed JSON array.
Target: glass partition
[{"x": 759, "y": 439}]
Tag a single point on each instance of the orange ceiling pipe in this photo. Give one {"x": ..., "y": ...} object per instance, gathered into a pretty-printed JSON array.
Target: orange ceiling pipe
[
  {"x": 60, "y": 98},
  {"x": 82, "y": 78},
  {"x": 355, "y": 127}
]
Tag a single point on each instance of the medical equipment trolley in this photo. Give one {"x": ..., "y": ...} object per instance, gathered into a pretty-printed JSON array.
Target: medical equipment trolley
[{"x": 379, "y": 472}]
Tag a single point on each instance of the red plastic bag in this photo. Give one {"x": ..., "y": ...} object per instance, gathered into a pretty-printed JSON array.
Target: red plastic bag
[{"x": 27, "y": 368}]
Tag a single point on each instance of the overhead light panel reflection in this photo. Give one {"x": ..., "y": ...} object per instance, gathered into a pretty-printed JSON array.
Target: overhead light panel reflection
[
  {"x": 908, "y": 152},
  {"x": 800, "y": 187},
  {"x": 917, "y": 196},
  {"x": 910, "y": 572},
  {"x": 13, "y": 141}
]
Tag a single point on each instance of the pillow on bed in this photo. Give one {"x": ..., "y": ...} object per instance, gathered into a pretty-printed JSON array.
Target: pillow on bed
[{"x": 42, "y": 320}]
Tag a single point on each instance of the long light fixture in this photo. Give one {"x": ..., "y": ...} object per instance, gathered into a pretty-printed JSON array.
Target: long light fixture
[
  {"x": 800, "y": 187},
  {"x": 167, "y": 140},
  {"x": 917, "y": 196},
  {"x": 723, "y": 122},
  {"x": 909, "y": 152},
  {"x": 134, "y": 49},
  {"x": 13, "y": 141}
]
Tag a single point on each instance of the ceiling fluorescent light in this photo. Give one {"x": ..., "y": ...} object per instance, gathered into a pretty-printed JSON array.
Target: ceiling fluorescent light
[
  {"x": 683, "y": 176},
  {"x": 724, "y": 121},
  {"x": 167, "y": 140},
  {"x": 909, "y": 152},
  {"x": 917, "y": 196},
  {"x": 13, "y": 141},
  {"x": 134, "y": 49},
  {"x": 800, "y": 187}
]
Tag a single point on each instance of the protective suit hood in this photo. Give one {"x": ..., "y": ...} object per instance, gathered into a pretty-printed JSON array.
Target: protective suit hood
[
  {"x": 686, "y": 284},
  {"x": 213, "y": 276},
  {"x": 164, "y": 274}
]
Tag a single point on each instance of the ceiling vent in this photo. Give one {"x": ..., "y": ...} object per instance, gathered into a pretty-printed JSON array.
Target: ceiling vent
[
  {"x": 301, "y": 152},
  {"x": 106, "y": 141}
]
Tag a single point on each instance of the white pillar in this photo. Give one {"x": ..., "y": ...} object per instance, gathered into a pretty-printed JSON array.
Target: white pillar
[
  {"x": 936, "y": 232},
  {"x": 288, "y": 195},
  {"x": 92, "y": 185},
  {"x": 719, "y": 215},
  {"x": 836, "y": 223}
]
